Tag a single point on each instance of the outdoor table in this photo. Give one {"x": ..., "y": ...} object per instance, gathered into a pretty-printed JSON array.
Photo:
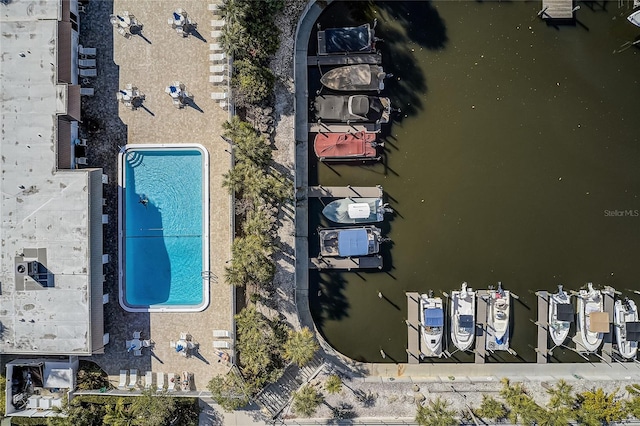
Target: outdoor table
[
  {"x": 134, "y": 344},
  {"x": 179, "y": 18}
]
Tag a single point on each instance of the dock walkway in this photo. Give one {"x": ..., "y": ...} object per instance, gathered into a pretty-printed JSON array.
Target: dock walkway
[
  {"x": 542, "y": 350},
  {"x": 344, "y": 128},
  {"x": 481, "y": 325},
  {"x": 352, "y": 59},
  {"x": 607, "y": 348},
  {"x": 413, "y": 327},
  {"x": 557, "y": 9},
  {"x": 345, "y": 191},
  {"x": 348, "y": 263}
]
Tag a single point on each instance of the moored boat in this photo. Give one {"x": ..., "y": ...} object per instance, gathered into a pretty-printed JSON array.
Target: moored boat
[
  {"x": 352, "y": 108},
  {"x": 463, "y": 317},
  {"x": 592, "y": 321},
  {"x": 356, "y": 210},
  {"x": 432, "y": 325},
  {"x": 350, "y": 242},
  {"x": 351, "y": 78},
  {"x": 336, "y": 41},
  {"x": 634, "y": 18},
  {"x": 627, "y": 327},
  {"x": 346, "y": 146},
  {"x": 561, "y": 315},
  {"x": 498, "y": 318}
]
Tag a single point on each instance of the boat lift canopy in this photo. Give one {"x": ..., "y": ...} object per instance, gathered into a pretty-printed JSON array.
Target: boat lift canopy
[
  {"x": 599, "y": 322},
  {"x": 633, "y": 331},
  {"x": 433, "y": 317},
  {"x": 353, "y": 242},
  {"x": 565, "y": 312},
  {"x": 466, "y": 321}
]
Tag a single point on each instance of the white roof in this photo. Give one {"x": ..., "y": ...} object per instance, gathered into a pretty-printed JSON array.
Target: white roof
[
  {"x": 41, "y": 207},
  {"x": 359, "y": 210}
]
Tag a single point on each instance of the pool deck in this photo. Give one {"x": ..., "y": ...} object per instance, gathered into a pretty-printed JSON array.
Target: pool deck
[{"x": 152, "y": 63}]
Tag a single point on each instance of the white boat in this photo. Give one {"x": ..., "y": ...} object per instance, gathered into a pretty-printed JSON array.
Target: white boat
[
  {"x": 498, "y": 319},
  {"x": 463, "y": 317},
  {"x": 350, "y": 242},
  {"x": 356, "y": 210},
  {"x": 352, "y": 78},
  {"x": 432, "y": 324},
  {"x": 592, "y": 321},
  {"x": 627, "y": 327},
  {"x": 560, "y": 316},
  {"x": 634, "y": 18}
]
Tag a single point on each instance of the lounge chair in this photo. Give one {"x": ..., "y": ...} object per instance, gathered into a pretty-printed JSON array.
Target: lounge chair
[
  {"x": 147, "y": 343},
  {"x": 217, "y": 23},
  {"x": 171, "y": 385},
  {"x": 148, "y": 380},
  {"x": 221, "y": 333},
  {"x": 216, "y": 34},
  {"x": 137, "y": 352},
  {"x": 214, "y": 7},
  {"x": 185, "y": 336},
  {"x": 216, "y": 78},
  {"x": 87, "y": 72},
  {"x": 219, "y": 96},
  {"x": 123, "y": 379},
  {"x": 216, "y": 46},
  {"x": 87, "y": 63},
  {"x": 220, "y": 344},
  {"x": 217, "y": 57},
  {"x": 136, "y": 334},
  {"x": 172, "y": 344},
  {"x": 217, "y": 69},
  {"x": 86, "y": 91},
  {"x": 186, "y": 381},
  {"x": 133, "y": 378},
  {"x": 86, "y": 51},
  {"x": 160, "y": 382}
]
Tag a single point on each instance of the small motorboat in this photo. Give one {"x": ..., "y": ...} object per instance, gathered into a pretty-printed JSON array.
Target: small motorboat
[
  {"x": 463, "y": 317},
  {"x": 352, "y": 78},
  {"x": 346, "y": 146},
  {"x": 350, "y": 242},
  {"x": 634, "y": 18},
  {"x": 627, "y": 327},
  {"x": 336, "y": 41},
  {"x": 432, "y": 325},
  {"x": 498, "y": 319},
  {"x": 356, "y": 210},
  {"x": 560, "y": 316},
  {"x": 354, "y": 108},
  {"x": 592, "y": 321}
]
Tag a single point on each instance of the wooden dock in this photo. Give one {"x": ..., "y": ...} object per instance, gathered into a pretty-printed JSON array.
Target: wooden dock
[
  {"x": 557, "y": 9},
  {"x": 351, "y": 59},
  {"x": 413, "y": 327},
  {"x": 542, "y": 350},
  {"x": 348, "y": 263},
  {"x": 345, "y": 191},
  {"x": 607, "y": 348},
  {"x": 481, "y": 326},
  {"x": 344, "y": 128}
]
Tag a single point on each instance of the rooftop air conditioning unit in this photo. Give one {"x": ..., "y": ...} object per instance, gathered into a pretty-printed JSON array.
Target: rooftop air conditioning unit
[{"x": 22, "y": 268}]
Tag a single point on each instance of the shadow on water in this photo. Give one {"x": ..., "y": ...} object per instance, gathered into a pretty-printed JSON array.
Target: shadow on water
[{"x": 326, "y": 297}]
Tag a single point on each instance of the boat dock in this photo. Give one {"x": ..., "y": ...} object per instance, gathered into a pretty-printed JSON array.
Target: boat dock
[
  {"x": 345, "y": 191},
  {"x": 348, "y": 263},
  {"x": 557, "y": 9},
  {"x": 481, "y": 325},
  {"x": 344, "y": 128},
  {"x": 542, "y": 350},
  {"x": 608, "y": 294},
  {"x": 413, "y": 327},
  {"x": 352, "y": 59}
]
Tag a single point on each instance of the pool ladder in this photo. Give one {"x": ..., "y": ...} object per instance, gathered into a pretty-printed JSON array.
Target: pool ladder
[{"x": 208, "y": 275}]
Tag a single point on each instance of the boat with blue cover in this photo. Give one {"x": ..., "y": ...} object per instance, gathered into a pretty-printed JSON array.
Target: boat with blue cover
[
  {"x": 350, "y": 242},
  {"x": 432, "y": 325}
]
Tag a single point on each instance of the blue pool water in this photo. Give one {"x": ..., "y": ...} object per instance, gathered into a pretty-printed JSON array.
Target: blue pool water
[{"x": 163, "y": 229}]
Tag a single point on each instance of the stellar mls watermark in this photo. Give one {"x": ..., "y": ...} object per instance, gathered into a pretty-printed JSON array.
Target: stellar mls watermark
[{"x": 622, "y": 213}]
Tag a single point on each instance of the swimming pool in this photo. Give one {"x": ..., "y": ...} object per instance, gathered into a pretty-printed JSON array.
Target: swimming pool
[{"x": 163, "y": 239}]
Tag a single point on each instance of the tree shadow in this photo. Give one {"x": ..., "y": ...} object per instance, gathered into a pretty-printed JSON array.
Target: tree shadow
[{"x": 326, "y": 297}]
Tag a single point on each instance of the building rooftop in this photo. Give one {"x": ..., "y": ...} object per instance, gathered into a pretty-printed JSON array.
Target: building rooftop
[{"x": 44, "y": 306}]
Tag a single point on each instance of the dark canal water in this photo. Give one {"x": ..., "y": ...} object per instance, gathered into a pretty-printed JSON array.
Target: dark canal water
[{"x": 515, "y": 139}]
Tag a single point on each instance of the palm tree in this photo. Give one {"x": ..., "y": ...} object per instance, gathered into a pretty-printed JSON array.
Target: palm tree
[
  {"x": 561, "y": 396},
  {"x": 300, "y": 347},
  {"x": 333, "y": 384},
  {"x": 306, "y": 401},
  {"x": 436, "y": 413},
  {"x": 119, "y": 414},
  {"x": 597, "y": 406},
  {"x": 491, "y": 409},
  {"x": 229, "y": 391}
]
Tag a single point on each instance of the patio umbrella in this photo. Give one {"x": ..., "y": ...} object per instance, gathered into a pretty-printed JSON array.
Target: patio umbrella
[
  {"x": 179, "y": 348},
  {"x": 120, "y": 18},
  {"x": 132, "y": 347},
  {"x": 176, "y": 16}
]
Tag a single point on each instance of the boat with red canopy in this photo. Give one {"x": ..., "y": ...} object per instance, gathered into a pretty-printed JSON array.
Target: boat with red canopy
[{"x": 346, "y": 146}]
